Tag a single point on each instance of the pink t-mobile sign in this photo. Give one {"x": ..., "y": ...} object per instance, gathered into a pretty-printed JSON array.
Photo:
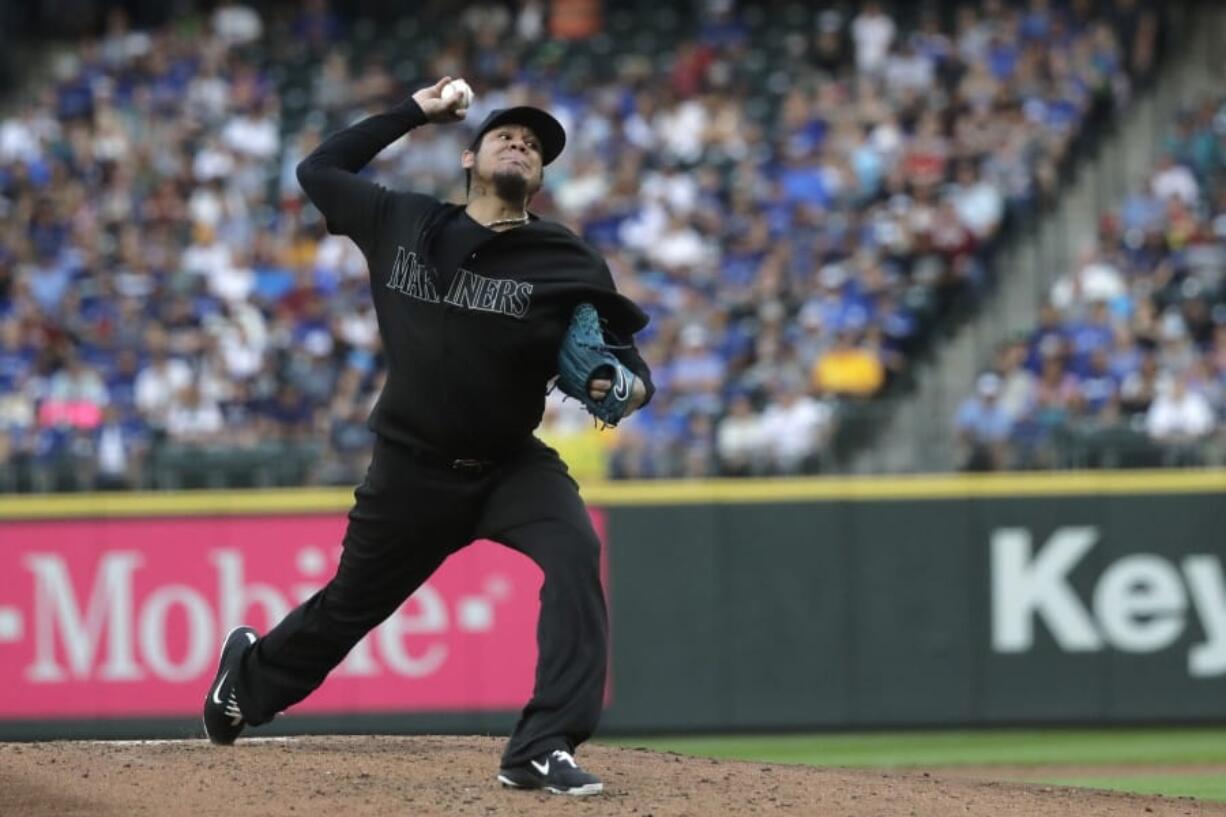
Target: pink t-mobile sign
[{"x": 124, "y": 617}]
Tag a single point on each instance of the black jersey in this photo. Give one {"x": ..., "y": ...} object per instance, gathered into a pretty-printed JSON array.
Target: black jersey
[{"x": 471, "y": 319}]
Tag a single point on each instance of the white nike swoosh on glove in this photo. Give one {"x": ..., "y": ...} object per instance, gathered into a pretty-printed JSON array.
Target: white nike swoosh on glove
[{"x": 621, "y": 389}]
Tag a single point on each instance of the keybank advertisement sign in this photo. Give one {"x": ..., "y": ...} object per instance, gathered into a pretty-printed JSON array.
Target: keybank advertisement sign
[
  {"x": 124, "y": 617},
  {"x": 1140, "y": 603}
]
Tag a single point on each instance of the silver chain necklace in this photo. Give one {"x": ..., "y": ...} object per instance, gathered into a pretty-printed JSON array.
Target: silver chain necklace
[{"x": 509, "y": 222}]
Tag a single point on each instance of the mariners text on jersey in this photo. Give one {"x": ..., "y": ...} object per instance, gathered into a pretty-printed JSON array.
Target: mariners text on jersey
[
  {"x": 468, "y": 289},
  {"x": 412, "y": 278}
]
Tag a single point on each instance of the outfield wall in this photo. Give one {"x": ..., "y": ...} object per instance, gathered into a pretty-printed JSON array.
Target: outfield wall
[{"x": 782, "y": 604}]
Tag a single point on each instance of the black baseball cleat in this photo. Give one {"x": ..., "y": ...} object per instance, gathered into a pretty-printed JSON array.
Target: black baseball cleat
[
  {"x": 555, "y": 772},
  {"x": 223, "y": 720}
]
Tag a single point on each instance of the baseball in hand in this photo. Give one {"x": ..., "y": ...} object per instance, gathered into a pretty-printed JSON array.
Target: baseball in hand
[{"x": 457, "y": 95}]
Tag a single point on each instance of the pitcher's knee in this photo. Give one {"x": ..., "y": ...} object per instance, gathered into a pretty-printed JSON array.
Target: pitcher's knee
[{"x": 350, "y": 619}]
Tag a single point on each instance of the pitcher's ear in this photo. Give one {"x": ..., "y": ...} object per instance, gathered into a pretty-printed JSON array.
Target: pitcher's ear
[{"x": 468, "y": 159}]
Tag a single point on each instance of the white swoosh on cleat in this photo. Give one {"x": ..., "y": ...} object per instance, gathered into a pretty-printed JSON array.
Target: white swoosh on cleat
[
  {"x": 217, "y": 689},
  {"x": 543, "y": 768}
]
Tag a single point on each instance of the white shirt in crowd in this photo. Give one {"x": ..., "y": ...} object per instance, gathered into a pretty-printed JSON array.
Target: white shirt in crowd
[
  {"x": 793, "y": 431},
  {"x": 339, "y": 253},
  {"x": 681, "y": 130},
  {"x": 206, "y": 207},
  {"x": 225, "y": 279},
  {"x": 112, "y": 452},
  {"x": 254, "y": 136},
  {"x": 530, "y": 24},
  {"x": 1094, "y": 281},
  {"x": 16, "y": 410},
  {"x": 873, "y": 34},
  {"x": 212, "y": 162},
  {"x": 679, "y": 191},
  {"x": 206, "y": 259},
  {"x": 980, "y": 207},
  {"x": 193, "y": 422},
  {"x": 241, "y": 358},
  {"x": 740, "y": 439},
  {"x": 208, "y": 96},
  {"x": 156, "y": 386},
  {"x": 581, "y": 190},
  {"x": 886, "y": 138},
  {"x": 1178, "y": 182},
  {"x": 359, "y": 328},
  {"x": 1179, "y": 413},
  {"x": 911, "y": 72},
  {"x": 237, "y": 24},
  {"x": 642, "y": 230},
  {"x": 18, "y": 141},
  {"x": 681, "y": 246}
]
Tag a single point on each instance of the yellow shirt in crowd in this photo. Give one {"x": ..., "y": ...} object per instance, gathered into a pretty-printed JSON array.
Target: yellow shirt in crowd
[{"x": 853, "y": 371}]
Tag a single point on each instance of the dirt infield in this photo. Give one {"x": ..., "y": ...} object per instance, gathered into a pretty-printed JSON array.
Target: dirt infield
[{"x": 437, "y": 776}]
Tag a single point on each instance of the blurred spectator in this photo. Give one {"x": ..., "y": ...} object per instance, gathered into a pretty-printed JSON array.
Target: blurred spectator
[
  {"x": 794, "y": 428},
  {"x": 697, "y": 373},
  {"x": 75, "y": 397},
  {"x": 698, "y": 454},
  {"x": 1096, "y": 279},
  {"x": 978, "y": 204},
  {"x": 530, "y": 22},
  {"x": 1182, "y": 419},
  {"x": 574, "y": 19},
  {"x": 849, "y": 368},
  {"x": 192, "y": 418},
  {"x": 16, "y": 429},
  {"x": 289, "y": 416},
  {"x": 741, "y": 440},
  {"x": 829, "y": 54},
  {"x": 236, "y": 24},
  {"x": 1017, "y": 383},
  {"x": 120, "y": 449},
  {"x": 159, "y": 383},
  {"x": 1141, "y": 385},
  {"x": 1174, "y": 181},
  {"x": 983, "y": 426},
  {"x": 316, "y": 25},
  {"x": 873, "y": 32}
]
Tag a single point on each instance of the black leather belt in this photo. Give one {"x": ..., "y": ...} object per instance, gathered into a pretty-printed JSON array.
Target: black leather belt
[
  {"x": 472, "y": 466},
  {"x": 436, "y": 459}
]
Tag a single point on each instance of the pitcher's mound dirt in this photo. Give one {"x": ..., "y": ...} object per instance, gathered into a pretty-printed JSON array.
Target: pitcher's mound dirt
[{"x": 446, "y": 776}]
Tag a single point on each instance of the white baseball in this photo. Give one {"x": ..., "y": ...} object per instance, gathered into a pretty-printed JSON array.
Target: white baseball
[{"x": 458, "y": 91}]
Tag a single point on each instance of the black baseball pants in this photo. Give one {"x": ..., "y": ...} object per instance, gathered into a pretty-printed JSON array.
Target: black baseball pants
[{"x": 407, "y": 518}]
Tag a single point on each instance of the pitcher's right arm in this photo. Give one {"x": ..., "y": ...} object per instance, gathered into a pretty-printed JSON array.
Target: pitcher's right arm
[{"x": 350, "y": 204}]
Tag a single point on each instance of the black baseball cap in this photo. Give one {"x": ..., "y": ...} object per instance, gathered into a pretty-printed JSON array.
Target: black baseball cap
[{"x": 546, "y": 128}]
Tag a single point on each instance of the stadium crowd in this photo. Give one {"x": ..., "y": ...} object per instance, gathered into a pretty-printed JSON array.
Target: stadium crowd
[
  {"x": 1128, "y": 362},
  {"x": 796, "y": 196}
]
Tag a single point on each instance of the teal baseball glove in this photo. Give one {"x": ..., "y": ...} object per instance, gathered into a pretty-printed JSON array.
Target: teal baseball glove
[{"x": 586, "y": 356}]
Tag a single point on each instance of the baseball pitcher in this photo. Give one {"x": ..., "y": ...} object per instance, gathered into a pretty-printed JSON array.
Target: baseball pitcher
[{"x": 479, "y": 307}]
